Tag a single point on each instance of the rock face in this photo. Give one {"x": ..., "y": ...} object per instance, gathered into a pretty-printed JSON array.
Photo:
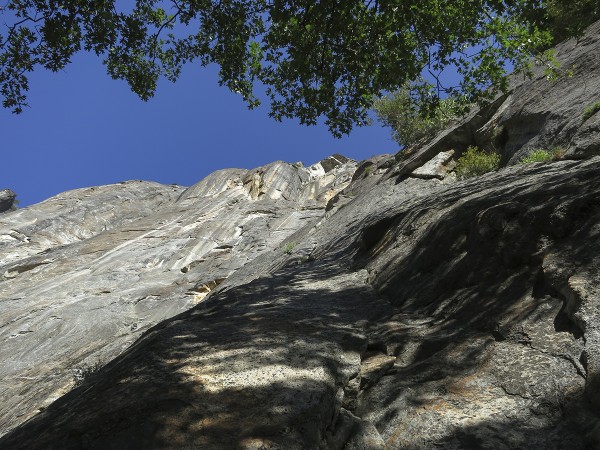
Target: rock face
[
  {"x": 85, "y": 273},
  {"x": 379, "y": 305},
  {"x": 535, "y": 113},
  {"x": 542, "y": 114},
  {"x": 7, "y": 199},
  {"x": 418, "y": 315}
]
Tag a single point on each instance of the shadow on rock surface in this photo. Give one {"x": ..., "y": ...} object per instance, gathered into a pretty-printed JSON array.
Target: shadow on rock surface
[
  {"x": 463, "y": 353},
  {"x": 254, "y": 367},
  {"x": 480, "y": 334}
]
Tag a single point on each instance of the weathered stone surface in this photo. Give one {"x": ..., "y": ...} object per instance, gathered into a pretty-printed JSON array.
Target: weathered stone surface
[
  {"x": 438, "y": 167},
  {"x": 586, "y": 141},
  {"x": 578, "y": 284},
  {"x": 545, "y": 114},
  {"x": 7, "y": 198},
  {"x": 303, "y": 344},
  {"x": 332, "y": 162},
  {"x": 367, "y": 174},
  {"x": 486, "y": 357},
  {"x": 373, "y": 366},
  {"x": 353, "y": 433},
  {"x": 436, "y": 294},
  {"x": 84, "y": 273}
]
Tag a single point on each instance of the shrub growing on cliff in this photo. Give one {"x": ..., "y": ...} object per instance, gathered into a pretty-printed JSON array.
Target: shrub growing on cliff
[
  {"x": 475, "y": 162},
  {"x": 540, "y": 155},
  {"x": 536, "y": 155},
  {"x": 409, "y": 122},
  {"x": 590, "y": 111},
  {"x": 288, "y": 248}
]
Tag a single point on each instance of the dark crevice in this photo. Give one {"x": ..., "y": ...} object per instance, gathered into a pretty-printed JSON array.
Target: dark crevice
[
  {"x": 374, "y": 234},
  {"x": 563, "y": 323},
  {"x": 498, "y": 336},
  {"x": 540, "y": 287},
  {"x": 377, "y": 346}
]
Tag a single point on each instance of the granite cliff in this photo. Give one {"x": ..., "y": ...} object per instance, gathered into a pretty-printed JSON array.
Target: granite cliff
[{"x": 345, "y": 305}]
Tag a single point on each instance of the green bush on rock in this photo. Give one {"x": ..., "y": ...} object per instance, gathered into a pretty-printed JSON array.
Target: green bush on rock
[
  {"x": 540, "y": 155},
  {"x": 590, "y": 111},
  {"x": 475, "y": 162},
  {"x": 409, "y": 122},
  {"x": 535, "y": 156},
  {"x": 288, "y": 247}
]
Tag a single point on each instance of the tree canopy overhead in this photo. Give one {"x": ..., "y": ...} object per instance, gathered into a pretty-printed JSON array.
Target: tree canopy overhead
[{"x": 327, "y": 58}]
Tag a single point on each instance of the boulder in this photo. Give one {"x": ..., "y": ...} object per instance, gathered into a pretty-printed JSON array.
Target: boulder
[
  {"x": 438, "y": 167},
  {"x": 7, "y": 199}
]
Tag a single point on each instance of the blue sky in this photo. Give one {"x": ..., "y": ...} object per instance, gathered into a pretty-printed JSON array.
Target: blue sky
[{"x": 85, "y": 129}]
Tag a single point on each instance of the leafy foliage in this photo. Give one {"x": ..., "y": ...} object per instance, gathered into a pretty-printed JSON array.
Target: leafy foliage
[
  {"x": 590, "y": 111},
  {"x": 410, "y": 123},
  {"x": 313, "y": 59},
  {"x": 288, "y": 248},
  {"x": 536, "y": 155},
  {"x": 475, "y": 162},
  {"x": 540, "y": 155},
  {"x": 565, "y": 18}
]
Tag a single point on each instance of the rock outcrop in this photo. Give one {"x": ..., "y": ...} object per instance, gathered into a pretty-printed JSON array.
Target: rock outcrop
[
  {"x": 418, "y": 315},
  {"x": 7, "y": 200},
  {"x": 535, "y": 113},
  {"x": 84, "y": 273},
  {"x": 379, "y": 305}
]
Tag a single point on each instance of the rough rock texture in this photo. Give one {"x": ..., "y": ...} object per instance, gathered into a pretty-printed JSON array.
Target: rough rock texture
[
  {"x": 84, "y": 273},
  {"x": 543, "y": 114},
  {"x": 339, "y": 306},
  {"x": 7, "y": 199},
  {"x": 418, "y": 315},
  {"x": 535, "y": 113},
  {"x": 490, "y": 354},
  {"x": 438, "y": 167}
]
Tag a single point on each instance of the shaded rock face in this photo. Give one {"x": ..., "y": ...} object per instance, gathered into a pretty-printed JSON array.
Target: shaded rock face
[
  {"x": 7, "y": 199},
  {"x": 379, "y": 305},
  {"x": 496, "y": 313},
  {"x": 536, "y": 113},
  {"x": 547, "y": 114},
  {"x": 84, "y": 273}
]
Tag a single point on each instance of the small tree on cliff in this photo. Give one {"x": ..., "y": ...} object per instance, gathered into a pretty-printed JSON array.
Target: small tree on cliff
[{"x": 327, "y": 58}]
